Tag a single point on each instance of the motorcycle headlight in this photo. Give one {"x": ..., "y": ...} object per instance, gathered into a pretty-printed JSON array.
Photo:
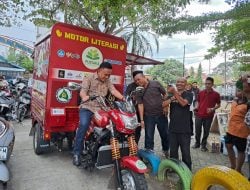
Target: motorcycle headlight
[
  {"x": 3, "y": 128},
  {"x": 130, "y": 122},
  {"x": 24, "y": 100}
]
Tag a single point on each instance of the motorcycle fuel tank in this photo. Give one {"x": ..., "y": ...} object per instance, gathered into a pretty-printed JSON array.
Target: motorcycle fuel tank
[{"x": 101, "y": 118}]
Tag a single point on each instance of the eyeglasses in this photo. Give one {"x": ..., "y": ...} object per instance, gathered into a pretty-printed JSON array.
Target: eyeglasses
[{"x": 208, "y": 83}]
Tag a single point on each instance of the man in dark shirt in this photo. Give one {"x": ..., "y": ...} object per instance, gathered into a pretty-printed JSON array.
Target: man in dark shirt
[
  {"x": 151, "y": 112},
  {"x": 207, "y": 102},
  {"x": 179, "y": 127},
  {"x": 131, "y": 87}
]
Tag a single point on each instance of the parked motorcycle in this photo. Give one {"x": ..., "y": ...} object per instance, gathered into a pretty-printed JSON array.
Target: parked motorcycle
[
  {"x": 7, "y": 106},
  {"x": 7, "y": 139},
  {"x": 110, "y": 142},
  {"x": 23, "y": 104}
]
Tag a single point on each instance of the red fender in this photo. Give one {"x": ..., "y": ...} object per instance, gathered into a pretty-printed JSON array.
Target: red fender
[{"x": 133, "y": 163}]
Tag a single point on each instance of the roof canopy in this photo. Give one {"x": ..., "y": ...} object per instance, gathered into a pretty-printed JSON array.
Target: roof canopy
[{"x": 133, "y": 59}]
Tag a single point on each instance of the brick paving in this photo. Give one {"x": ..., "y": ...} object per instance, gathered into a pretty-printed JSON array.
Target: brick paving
[{"x": 199, "y": 159}]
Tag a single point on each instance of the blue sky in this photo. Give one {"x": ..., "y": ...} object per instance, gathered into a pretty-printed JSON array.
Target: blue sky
[{"x": 195, "y": 45}]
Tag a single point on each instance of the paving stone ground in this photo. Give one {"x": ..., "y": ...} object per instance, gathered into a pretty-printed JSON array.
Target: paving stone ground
[
  {"x": 54, "y": 170},
  {"x": 199, "y": 159}
]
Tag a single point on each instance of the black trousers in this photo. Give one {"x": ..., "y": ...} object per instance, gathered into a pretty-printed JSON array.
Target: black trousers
[
  {"x": 206, "y": 124},
  {"x": 191, "y": 123},
  {"x": 183, "y": 141},
  {"x": 138, "y": 129}
]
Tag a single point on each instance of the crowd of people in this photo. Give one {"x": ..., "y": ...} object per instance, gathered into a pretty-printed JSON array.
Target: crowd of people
[
  {"x": 172, "y": 110},
  {"x": 188, "y": 102}
]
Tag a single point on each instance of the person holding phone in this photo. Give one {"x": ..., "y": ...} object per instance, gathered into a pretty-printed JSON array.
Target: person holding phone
[{"x": 179, "y": 126}]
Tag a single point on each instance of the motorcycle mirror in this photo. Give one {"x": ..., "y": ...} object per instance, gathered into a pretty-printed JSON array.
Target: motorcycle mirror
[
  {"x": 74, "y": 86},
  {"x": 139, "y": 88},
  {"x": 138, "y": 91}
]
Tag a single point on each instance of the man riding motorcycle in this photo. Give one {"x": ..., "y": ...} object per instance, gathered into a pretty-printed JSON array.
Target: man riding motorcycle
[{"x": 96, "y": 84}]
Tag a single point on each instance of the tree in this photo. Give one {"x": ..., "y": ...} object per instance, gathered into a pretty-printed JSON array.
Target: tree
[
  {"x": 167, "y": 73},
  {"x": 218, "y": 80},
  {"x": 25, "y": 62},
  {"x": 191, "y": 75},
  {"x": 20, "y": 59},
  {"x": 138, "y": 41},
  {"x": 10, "y": 11},
  {"x": 199, "y": 75},
  {"x": 106, "y": 16},
  {"x": 232, "y": 27},
  {"x": 11, "y": 55}
]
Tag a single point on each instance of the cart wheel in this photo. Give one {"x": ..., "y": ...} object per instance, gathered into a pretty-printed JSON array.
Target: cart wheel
[
  {"x": 70, "y": 139},
  {"x": 206, "y": 177},
  {"x": 70, "y": 144},
  {"x": 38, "y": 139}
]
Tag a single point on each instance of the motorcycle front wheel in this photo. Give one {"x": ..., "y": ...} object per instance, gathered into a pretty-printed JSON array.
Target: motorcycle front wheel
[
  {"x": 133, "y": 181},
  {"x": 21, "y": 114}
]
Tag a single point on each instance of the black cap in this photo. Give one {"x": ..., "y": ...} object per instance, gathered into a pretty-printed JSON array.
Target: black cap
[
  {"x": 136, "y": 72},
  {"x": 106, "y": 65}
]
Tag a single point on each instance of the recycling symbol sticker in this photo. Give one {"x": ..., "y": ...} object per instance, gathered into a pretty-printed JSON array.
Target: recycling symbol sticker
[{"x": 63, "y": 95}]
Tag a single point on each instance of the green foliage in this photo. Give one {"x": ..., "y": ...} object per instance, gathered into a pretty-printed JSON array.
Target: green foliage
[
  {"x": 11, "y": 56},
  {"x": 107, "y": 16},
  {"x": 244, "y": 67},
  {"x": 218, "y": 80},
  {"x": 167, "y": 73},
  {"x": 232, "y": 28},
  {"x": 20, "y": 59},
  {"x": 199, "y": 75},
  {"x": 10, "y": 11},
  {"x": 233, "y": 71},
  {"x": 139, "y": 41},
  {"x": 192, "y": 75},
  {"x": 25, "y": 62}
]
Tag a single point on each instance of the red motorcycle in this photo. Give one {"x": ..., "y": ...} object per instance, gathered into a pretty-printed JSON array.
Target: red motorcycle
[{"x": 110, "y": 142}]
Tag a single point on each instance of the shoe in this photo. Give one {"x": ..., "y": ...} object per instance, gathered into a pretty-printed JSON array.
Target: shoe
[
  {"x": 204, "y": 149},
  {"x": 196, "y": 146},
  {"x": 76, "y": 160},
  {"x": 166, "y": 153},
  {"x": 149, "y": 150}
]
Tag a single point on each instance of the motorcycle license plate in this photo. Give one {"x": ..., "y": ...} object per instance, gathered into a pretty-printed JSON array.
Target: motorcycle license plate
[{"x": 3, "y": 153}]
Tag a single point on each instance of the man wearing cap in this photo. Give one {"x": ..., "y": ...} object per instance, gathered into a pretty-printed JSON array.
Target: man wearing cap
[
  {"x": 152, "y": 113},
  {"x": 131, "y": 87},
  {"x": 96, "y": 84}
]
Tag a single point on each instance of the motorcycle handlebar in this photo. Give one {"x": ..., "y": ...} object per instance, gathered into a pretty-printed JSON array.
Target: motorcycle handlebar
[{"x": 91, "y": 98}]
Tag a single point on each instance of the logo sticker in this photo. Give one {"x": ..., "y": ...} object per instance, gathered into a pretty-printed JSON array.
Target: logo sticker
[
  {"x": 58, "y": 33},
  {"x": 73, "y": 55},
  {"x": 61, "y": 74},
  {"x": 140, "y": 165},
  {"x": 122, "y": 47},
  {"x": 60, "y": 53},
  {"x": 63, "y": 95},
  {"x": 92, "y": 57}
]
